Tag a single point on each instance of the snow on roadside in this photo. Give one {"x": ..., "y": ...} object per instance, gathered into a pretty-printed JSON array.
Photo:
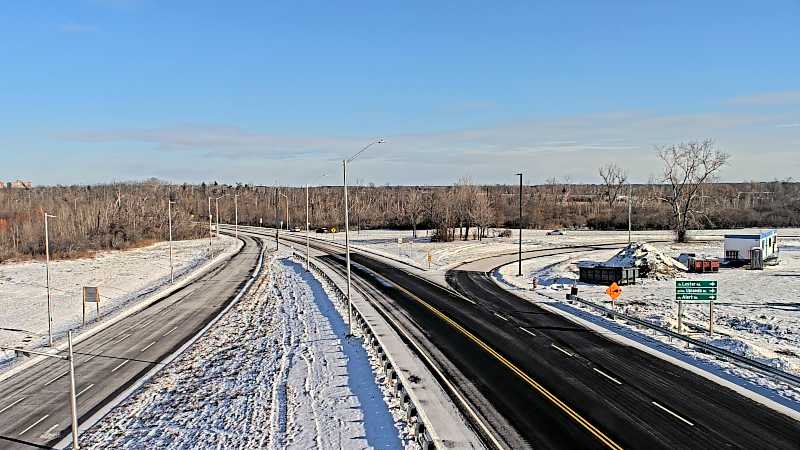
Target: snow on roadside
[
  {"x": 757, "y": 315},
  {"x": 276, "y": 371},
  {"x": 122, "y": 276}
]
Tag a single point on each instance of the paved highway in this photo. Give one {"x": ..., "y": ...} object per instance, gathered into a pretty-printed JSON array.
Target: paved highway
[
  {"x": 542, "y": 381},
  {"x": 34, "y": 408}
]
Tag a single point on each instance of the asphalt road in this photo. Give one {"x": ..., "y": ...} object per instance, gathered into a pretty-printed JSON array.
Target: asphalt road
[
  {"x": 542, "y": 381},
  {"x": 34, "y": 404}
]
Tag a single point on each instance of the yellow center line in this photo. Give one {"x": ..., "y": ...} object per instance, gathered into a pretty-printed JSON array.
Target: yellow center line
[{"x": 538, "y": 387}]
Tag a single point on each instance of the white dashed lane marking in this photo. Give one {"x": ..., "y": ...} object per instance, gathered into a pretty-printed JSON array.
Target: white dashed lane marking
[
  {"x": 9, "y": 406},
  {"x": 527, "y": 331},
  {"x": 33, "y": 425},
  {"x": 84, "y": 390},
  {"x": 673, "y": 414},
  {"x": 606, "y": 375},
  {"x": 120, "y": 365},
  {"x": 170, "y": 331},
  {"x": 561, "y": 349}
]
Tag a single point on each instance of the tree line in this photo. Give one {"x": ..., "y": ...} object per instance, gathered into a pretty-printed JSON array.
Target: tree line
[{"x": 120, "y": 215}]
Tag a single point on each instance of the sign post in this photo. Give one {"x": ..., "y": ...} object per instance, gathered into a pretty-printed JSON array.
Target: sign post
[
  {"x": 429, "y": 260},
  {"x": 614, "y": 291},
  {"x": 696, "y": 291},
  {"x": 91, "y": 294}
]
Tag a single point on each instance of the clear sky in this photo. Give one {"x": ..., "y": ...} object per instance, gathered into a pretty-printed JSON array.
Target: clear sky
[{"x": 264, "y": 91}]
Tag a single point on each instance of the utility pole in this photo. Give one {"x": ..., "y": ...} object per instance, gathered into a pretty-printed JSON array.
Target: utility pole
[
  {"x": 519, "y": 262},
  {"x": 216, "y": 206},
  {"x": 47, "y": 275},
  {"x": 308, "y": 257},
  {"x": 171, "y": 267},
  {"x": 347, "y": 250}
]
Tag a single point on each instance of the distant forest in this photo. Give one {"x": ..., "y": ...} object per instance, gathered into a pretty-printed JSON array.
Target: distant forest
[{"x": 121, "y": 215}]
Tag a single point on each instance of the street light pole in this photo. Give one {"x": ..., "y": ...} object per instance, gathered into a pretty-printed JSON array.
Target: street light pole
[
  {"x": 347, "y": 250},
  {"x": 73, "y": 396},
  {"x": 519, "y": 262},
  {"x": 236, "y": 209},
  {"x": 73, "y": 404},
  {"x": 210, "y": 233},
  {"x": 277, "y": 245},
  {"x": 347, "y": 232},
  {"x": 629, "y": 214},
  {"x": 47, "y": 275},
  {"x": 307, "y": 237},
  {"x": 171, "y": 266}
]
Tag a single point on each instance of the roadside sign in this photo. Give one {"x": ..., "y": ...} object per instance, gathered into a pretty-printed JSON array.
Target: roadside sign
[
  {"x": 90, "y": 294},
  {"x": 614, "y": 291},
  {"x": 696, "y": 290}
]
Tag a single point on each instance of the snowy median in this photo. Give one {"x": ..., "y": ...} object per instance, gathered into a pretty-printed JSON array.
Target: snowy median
[
  {"x": 124, "y": 278},
  {"x": 276, "y": 371}
]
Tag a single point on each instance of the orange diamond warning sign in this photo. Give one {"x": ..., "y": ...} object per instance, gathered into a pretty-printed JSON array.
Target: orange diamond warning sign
[{"x": 614, "y": 291}]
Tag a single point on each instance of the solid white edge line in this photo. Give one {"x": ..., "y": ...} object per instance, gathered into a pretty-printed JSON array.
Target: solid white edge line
[
  {"x": 120, "y": 365},
  {"x": 561, "y": 349},
  {"x": 148, "y": 346},
  {"x": 84, "y": 390},
  {"x": 34, "y": 424},
  {"x": 606, "y": 375},
  {"x": 527, "y": 331},
  {"x": 169, "y": 332},
  {"x": 675, "y": 415},
  {"x": 9, "y": 406},
  {"x": 49, "y": 430},
  {"x": 498, "y": 315}
]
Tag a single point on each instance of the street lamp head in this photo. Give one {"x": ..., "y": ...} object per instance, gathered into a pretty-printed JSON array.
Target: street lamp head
[{"x": 381, "y": 141}]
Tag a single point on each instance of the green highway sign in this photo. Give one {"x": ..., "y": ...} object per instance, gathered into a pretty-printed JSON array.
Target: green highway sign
[
  {"x": 696, "y": 290},
  {"x": 695, "y": 284}
]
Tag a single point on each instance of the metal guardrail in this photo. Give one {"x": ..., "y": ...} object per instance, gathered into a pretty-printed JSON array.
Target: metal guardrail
[{"x": 725, "y": 354}]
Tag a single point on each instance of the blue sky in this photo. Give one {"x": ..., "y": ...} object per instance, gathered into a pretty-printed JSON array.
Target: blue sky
[{"x": 264, "y": 92}]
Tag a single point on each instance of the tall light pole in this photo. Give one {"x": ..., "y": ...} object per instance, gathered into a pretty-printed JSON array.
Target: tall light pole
[
  {"x": 630, "y": 191},
  {"x": 47, "y": 275},
  {"x": 347, "y": 231},
  {"x": 308, "y": 257},
  {"x": 519, "y": 262},
  {"x": 277, "y": 244},
  {"x": 286, "y": 197},
  {"x": 216, "y": 202},
  {"x": 236, "y": 213},
  {"x": 171, "y": 267},
  {"x": 210, "y": 233},
  {"x": 73, "y": 404}
]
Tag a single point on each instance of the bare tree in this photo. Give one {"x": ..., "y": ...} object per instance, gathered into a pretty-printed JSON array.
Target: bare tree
[
  {"x": 688, "y": 167},
  {"x": 614, "y": 179},
  {"x": 414, "y": 208}
]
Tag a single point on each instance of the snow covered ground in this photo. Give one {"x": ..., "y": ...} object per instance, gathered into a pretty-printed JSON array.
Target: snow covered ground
[
  {"x": 758, "y": 314},
  {"x": 275, "y": 372},
  {"x": 122, "y": 277},
  {"x": 446, "y": 255}
]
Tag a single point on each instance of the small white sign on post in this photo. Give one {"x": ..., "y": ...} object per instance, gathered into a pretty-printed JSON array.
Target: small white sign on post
[{"x": 91, "y": 294}]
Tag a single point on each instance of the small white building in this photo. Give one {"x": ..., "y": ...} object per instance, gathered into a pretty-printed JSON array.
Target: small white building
[{"x": 738, "y": 246}]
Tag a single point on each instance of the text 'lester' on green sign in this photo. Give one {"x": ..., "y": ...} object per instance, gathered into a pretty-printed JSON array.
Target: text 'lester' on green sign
[{"x": 695, "y": 290}]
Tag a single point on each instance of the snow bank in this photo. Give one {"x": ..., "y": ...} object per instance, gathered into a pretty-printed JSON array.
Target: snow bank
[
  {"x": 276, "y": 372},
  {"x": 122, "y": 276},
  {"x": 651, "y": 261},
  {"x": 756, "y": 316}
]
